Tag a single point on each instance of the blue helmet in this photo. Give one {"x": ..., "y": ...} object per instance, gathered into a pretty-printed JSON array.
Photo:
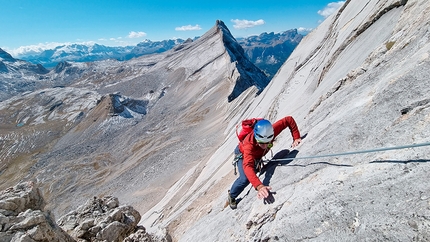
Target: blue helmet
[{"x": 263, "y": 131}]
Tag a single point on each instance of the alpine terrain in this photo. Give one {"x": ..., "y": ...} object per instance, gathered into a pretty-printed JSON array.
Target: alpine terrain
[
  {"x": 158, "y": 133},
  {"x": 268, "y": 51}
]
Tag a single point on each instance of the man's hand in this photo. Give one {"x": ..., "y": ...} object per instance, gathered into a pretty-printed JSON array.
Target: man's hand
[
  {"x": 263, "y": 191},
  {"x": 296, "y": 142}
]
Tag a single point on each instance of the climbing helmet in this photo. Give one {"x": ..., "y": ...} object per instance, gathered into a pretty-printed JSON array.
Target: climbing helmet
[{"x": 263, "y": 131}]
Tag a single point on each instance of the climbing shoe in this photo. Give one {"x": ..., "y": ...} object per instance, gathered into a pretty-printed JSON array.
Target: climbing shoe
[{"x": 231, "y": 201}]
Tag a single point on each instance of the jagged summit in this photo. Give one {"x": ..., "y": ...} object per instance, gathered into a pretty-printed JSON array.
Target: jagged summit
[
  {"x": 250, "y": 75},
  {"x": 221, "y": 25}
]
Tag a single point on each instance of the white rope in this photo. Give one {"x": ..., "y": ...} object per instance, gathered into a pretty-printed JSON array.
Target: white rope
[{"x": 355, "y": 152}]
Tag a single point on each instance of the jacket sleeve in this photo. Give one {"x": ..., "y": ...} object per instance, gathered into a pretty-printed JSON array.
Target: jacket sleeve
[
  {"x": 249, "y": 168},
  {"x": 286, "y": 122}
]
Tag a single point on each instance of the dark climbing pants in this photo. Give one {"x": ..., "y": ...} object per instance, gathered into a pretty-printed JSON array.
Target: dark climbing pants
[{"x": 241, "y": 182}]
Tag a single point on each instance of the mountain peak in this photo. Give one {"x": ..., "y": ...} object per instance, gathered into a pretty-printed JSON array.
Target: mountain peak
[
  {"x": 6, "y": 56},
  {"x": 249, "y": 74},
  {"x": 226, "y": 32},
  {"x": 221, "y": 25}
]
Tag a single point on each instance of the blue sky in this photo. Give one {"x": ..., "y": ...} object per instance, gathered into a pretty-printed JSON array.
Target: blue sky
[{"x": 27, "y": 24}]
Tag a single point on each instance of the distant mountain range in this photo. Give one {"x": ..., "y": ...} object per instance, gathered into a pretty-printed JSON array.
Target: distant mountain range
[
  {"x": 267, "y": 51},
  {"x": 77, "y": 53}
]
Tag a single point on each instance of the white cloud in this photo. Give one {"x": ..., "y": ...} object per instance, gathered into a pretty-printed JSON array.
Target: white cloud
[
  {"x": 330, "y": 8},
  {"x": 131, "y": 39},
  {"x": 188, "y": 28},
  {"x": 303, "y": 30},
  {"x": 133, "y": 34},
  {"x": 244, "y": 24}
]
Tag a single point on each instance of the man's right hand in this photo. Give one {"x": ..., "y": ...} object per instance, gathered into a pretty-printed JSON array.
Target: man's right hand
[
  {"x": 263, "y": 191},
  {"x": 296, "y": 142}
]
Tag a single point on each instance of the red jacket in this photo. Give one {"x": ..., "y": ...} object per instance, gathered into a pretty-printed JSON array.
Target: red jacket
[{"x": 252, "y": 152}]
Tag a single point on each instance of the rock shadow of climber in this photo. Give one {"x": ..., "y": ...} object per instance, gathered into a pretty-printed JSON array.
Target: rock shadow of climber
[{"x": 269, "y": 169}]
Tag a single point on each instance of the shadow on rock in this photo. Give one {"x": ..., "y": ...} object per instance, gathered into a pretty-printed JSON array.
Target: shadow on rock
[
  {"x": 401, "y": 161},
  {"x": 269, "y": 169},
  {"x": 285, "y": 157},
  {"x": 270, "y": 199}
]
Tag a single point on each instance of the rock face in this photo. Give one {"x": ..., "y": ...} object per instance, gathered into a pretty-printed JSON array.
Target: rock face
[
  {"x": 6, "y": 56},
  {"x": 142, "y": 236},
  {"x": 22, "y": 216},
  {"x": 18, "y": 76},
  {"x": 19, "y": 67},
  {"x": 360, "y": 81}
]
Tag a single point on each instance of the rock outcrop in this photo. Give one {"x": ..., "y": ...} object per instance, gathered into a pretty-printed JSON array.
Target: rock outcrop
[
  {"x": 141, "y": 235},
  {"x": 23, "y": 218},
  {"x": 100, "y": 219}
]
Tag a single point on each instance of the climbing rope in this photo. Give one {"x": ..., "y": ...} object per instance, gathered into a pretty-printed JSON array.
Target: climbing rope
[{"x": 355, "y": 152}]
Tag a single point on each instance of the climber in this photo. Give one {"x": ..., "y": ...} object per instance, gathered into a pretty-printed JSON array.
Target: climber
[{"x": 251, "y": 150}]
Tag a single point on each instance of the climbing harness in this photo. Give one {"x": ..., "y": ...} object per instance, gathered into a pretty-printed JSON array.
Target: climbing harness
[
  {"x": 235, "y": 160},
  {"x": 355, "y": 152},
  {"x": 258, "y": 164}
]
